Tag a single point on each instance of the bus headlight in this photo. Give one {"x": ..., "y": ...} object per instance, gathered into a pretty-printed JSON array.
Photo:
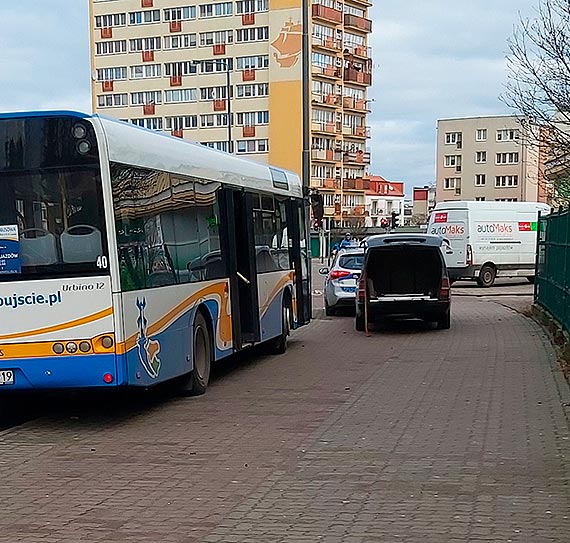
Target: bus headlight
[{"x": 107, "y": 342}]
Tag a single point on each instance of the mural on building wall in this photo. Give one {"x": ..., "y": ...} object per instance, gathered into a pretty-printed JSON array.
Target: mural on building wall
[{"x": 288, "y": 44}]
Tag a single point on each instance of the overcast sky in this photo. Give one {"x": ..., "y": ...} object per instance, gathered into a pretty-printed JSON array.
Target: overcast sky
[{"x": 432, "y": 59}]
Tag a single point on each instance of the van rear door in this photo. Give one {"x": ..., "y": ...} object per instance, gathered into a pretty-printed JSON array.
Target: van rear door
[{"x": 451, "y": 225}]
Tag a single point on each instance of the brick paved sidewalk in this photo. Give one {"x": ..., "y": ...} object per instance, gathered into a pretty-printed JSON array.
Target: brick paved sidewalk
[{"x": 411, "y": 435}]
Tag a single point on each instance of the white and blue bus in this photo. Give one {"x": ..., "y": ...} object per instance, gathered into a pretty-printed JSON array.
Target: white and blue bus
[{"x": 130, "y": 257}]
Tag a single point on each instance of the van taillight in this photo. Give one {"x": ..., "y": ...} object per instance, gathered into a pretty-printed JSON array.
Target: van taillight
[
  {"x": 469, "y": 256},
  {"x": 362, "y": 288},
  {"x": 444, "y": 289}
]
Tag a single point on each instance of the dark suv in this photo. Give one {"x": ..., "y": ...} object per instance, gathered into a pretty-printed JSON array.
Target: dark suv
[{"x": 403, "y": 276}]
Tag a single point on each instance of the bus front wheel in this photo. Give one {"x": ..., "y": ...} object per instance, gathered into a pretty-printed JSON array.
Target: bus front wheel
[
  {"x": 201, "y": 357},
  {"x": 279, "y": 344}
]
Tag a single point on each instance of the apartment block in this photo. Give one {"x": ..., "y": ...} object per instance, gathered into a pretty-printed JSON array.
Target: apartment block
[
  {"x": 488, "y": 158},
  {"x": 230, "y": 75}
]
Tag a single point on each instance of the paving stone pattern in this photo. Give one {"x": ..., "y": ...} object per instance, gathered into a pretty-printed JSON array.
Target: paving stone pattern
[{"x": 411, "y": 434}]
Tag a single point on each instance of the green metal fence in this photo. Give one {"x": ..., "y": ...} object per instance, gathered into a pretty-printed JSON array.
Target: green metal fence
[{"x": 552, "y": 285}]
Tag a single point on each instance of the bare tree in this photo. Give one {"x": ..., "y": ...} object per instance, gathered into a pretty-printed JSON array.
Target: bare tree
[{"x": 538, "y": 85}]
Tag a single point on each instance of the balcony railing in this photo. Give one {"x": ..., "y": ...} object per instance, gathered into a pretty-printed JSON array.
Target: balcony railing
[
  {"x": 107, "y": 86},
  {"x": 356, "y": 157},
  {"x": 326, "y": 99},
  {"x": 328, "y": 127},
  {"x": 220, "y": 105},
  {"x": 106, "y": 33},
  {"x": 176, "y": 26},
  {"x": 326, "y": 13},
  {"x": 327, "y": 155},
  {"x": 358, "y": 183},
  {"x": 352, "y": 103},
  {"x": 359, "y": 50},
  {"x": 327, "y": 71},
  {"x": 355, "y": 21},
  {"x": 357, "y": 76},
  {"x": 327, "y": 43}
]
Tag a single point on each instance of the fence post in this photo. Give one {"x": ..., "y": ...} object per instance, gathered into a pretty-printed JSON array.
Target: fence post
[
  {"x": 537, "y": 258},
  {"x": 565, "y": 323}
]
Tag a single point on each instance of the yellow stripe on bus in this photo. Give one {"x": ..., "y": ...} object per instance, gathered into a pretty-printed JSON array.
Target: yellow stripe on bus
[{"x": 63, "y": 326}]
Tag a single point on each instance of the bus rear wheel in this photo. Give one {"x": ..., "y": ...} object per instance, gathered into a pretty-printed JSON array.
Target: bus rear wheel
[{"x": 199, "y": 377}]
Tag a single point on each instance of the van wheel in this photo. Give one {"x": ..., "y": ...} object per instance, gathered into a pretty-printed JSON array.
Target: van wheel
[
  {"x": 359, "y": 323},
  {"x": 199, "y": 378},
  {"x": 486, "y": 276},
  {"x": 444, "y": 323},
  {"x": 279, "y": 344}
]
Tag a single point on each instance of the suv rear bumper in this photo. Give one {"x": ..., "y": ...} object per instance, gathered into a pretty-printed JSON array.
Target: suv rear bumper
[{"x": 423, "y": 309}]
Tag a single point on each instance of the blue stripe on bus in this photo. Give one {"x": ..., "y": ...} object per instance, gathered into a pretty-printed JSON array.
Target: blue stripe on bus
[{"x": 63, "y": 372}]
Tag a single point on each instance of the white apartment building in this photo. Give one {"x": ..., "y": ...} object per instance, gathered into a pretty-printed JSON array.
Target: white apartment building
[{"x": 488, "y": 158}]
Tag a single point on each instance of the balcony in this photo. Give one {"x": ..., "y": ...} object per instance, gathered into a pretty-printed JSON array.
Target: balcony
[
  {"x": 148, "y": 56},
  {"x": 360, "y": 51},
  {"x": 326, "y": 155},
  {"x": 106, "y": 33},
  {"x": 359, "y": 183},
  {"x": 175, "y": 26},
  {"x": 349, "y": 102},
  {"x": 219, "y": 49},
  {"x": 248, "y": 75},
  {"x": 178, "y": 133},
  {"x": 248, "y": 131},
  {"x": 327, "y": 71},
  {"x": 325, "y": 183},
  {"x": 248, "y": 19},
  {"x": 149, "y": 109},
  {"x": 356, "y": 132},
  {"x": 329, "y": 211},
  {"x": 107, "y": 86},
  {"x": 357, "y": 76},
  {"x": 326, "y": 42},
  {"x": 327, "y": 14},
  {"x": 356, "y": 157},
  {"x": 359, "y": 23},
  {"x": 146, "y": 3},
  {"x": 175, "y": 80},
  {"x": 219, "y": 105},
  {"x": 326, "y": 99},
  {"x": 327, "y": 127}
]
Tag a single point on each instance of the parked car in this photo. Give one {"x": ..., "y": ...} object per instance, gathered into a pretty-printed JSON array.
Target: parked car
[
  {"x": 404, "y": 276},
  {"x": 341, "y": 279}
]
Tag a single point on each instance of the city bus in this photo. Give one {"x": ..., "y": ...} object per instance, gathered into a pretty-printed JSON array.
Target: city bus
[{"x": 130, "y": 257}]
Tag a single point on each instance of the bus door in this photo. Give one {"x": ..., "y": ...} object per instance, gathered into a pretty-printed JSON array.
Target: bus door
[
  {"x": 238, "y": 244},
  {"x": 300, "y": 260}
]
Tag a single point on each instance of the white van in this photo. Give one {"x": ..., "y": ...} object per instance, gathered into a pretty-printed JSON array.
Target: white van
[{"x": 488, "y": 239}]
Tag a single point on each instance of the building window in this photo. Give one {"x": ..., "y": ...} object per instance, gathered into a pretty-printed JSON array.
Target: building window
[
  {"x": 180, "y": 68},
  {"x": 146, "y": 71},
  {"x": 481, "y": 134},
  {"x": 179, "y": 96},
  {"x": 219, "y": 9},
  {"x": 113, "y": 100},
  {"x": 218, "y": 145},
  {"x": 252, "y": 146},
  {"x": 507, "y": 134},
  {"x": 153, "y": 123},
  {"x": 252, "y": 118},
  {"x": 183, "y": 41},
  {"x": 112, "y": 74},
  {"x": 216, "y": 38},
  {"x": 253, "y": 63},
  {"x": 180, "y": 14},
  {"x": 480, "y": 157},
  {"x": 506, "y": 181},
  {"x": 253, "y": 90},
  {"x": 213, "y": 93},
  {"x": 213, "y": 120},
  {"x": 480, "y": 180},
  {"x": 452, "y": 138},
  {"x": 507, "y": 158},
  {"x": 452, "y": 160},
  {"x": 450, "y": 183},
  {"x": 215, "y": 65},
  {"x": 109, "y": 21},
  {"x": 147, "y": 97},
  {"x": 144, "y": 17},
  {"x": 251, "y": 6},
  {"x": 479, "y": 198},
  {"x": 252, "y": 34},
  {"x": 145, "y": 44},
  {"x": 321, "y": 60},
  {"x": 182, "y": 122},
  {"x": 111, "y": 47}
]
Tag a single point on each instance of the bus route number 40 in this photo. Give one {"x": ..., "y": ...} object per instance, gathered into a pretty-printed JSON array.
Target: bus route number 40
[{"x": 102, "y": 262}]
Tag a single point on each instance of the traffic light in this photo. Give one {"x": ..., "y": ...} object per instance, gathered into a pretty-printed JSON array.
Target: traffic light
[
  {"x": 395, "y": 220},
  {"x": 318, "y": 209}
]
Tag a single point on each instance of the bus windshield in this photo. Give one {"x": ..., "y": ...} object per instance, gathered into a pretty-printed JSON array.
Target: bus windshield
[{"x": 52, "y": 222}]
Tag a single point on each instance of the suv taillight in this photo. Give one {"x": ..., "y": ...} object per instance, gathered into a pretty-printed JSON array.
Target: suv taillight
[
  {"x": 362, "y": 288},
  {"x": 469, "y": 255},
  {"x": 444, "y": 289}
]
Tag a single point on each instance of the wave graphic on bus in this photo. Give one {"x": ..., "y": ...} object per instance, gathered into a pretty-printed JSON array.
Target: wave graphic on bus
[{"x": 148, "y": 348}]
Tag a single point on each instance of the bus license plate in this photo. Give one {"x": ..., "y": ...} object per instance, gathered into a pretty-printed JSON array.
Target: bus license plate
[{"x": 6, "y": 377}]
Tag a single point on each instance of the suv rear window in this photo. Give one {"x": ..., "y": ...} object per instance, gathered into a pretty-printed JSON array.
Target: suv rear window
[{"x": 351, "y": 262}]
